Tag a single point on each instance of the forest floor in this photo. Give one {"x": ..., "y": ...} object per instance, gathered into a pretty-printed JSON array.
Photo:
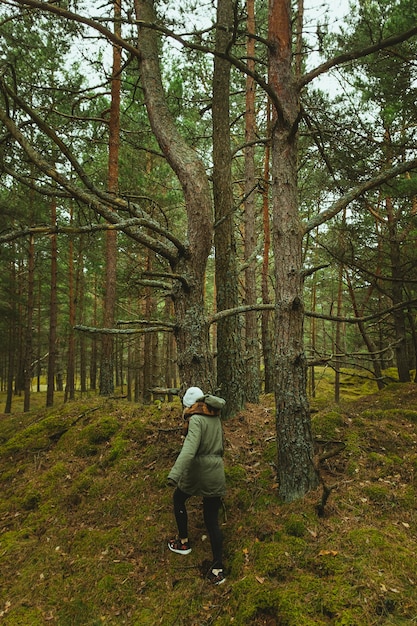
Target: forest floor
[{"x": 85, "y": 515}]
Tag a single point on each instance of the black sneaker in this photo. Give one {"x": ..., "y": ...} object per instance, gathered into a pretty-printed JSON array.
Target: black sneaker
[
  {"x": 217, "y": 578},
  {"x": 176, "y": 545}
]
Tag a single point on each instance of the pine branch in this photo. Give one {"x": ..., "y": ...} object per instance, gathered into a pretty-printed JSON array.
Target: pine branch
[
  {"x": 341, "y": 59},
  {"x": 119, "y": 331},
  {"x": 358, "y": 191}
]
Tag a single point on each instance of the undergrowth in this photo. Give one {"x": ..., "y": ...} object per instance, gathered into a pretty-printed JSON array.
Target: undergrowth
[{"x": 85, "y": 515}]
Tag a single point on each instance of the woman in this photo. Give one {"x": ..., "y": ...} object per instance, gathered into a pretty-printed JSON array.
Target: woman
[{"x": 199, "y": 471}]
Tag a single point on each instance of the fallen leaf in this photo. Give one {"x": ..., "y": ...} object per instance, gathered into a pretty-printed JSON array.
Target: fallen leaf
[{"x": 328, "y": 553}]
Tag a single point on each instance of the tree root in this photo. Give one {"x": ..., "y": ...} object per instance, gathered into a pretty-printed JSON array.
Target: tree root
[{"x": 336, "y": 447}]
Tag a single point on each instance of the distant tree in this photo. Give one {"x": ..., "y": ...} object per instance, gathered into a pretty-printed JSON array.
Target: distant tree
[
  {"x": 53, "y": 310},
  {"x": 110, "y": 281}
]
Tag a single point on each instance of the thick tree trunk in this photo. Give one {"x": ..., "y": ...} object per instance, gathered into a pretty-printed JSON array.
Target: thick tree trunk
[
  {"x": 251, "y": 231},
  {"x": 230, "y": 364},
  {"x": 296, "y": 472},
  {"x": 266, "y": 326},
  {"x": 192, "y": 331}
]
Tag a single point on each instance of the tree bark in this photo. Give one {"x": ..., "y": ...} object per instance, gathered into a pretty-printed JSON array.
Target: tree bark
[
  {"x": 296, "y": 472},
  {"x": 53, "y": 312},
  {"x": 192, "y": 329},
  {"x": 70, "y": 380},
  {"x": 230, "y": 364},
  {"x": 397, "y": 289},
  {"x": 266, "y": 325},
  {"x": 251, "y": 234},
  {"x": 29, "y": 324},
  {"x": 107, "y": 343}
]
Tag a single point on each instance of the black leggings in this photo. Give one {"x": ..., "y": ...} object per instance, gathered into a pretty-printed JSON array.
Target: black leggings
[{"x": 211, "y": 507}]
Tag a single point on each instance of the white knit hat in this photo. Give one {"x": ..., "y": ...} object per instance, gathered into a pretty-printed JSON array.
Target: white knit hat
[{"x": 192, "y": 395}]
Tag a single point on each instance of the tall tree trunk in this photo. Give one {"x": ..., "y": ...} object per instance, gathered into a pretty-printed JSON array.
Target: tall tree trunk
[
  {"x": 70, "y": 380},
  {"x": 79, "y": 297},
  {"x": 192, "y": 329},
  {"x": 313, "y": 337},
  {"x": 397, "y": 291},
  {"x": 372, "y": 349},
  {"x": 296, "y": 472},
  {"x": 53, "y": 312},
  {"x": 267, "y": 342},
  {"x": 107, "y": 343},
  {"x": 29, "y": 323},
  {"x": 230, "y": 364},
  {"x": 21, "y": 316},
  {"x": 337, "y": 346},
  {"x": 170, "y": 373},
  {"x": 38, "y": 328},
  {"x": 94, "y": 347},
  {"x": 251, "y": 234},
  {"x": 12, "y": 334},
  {"x": 149, "y": 354}
]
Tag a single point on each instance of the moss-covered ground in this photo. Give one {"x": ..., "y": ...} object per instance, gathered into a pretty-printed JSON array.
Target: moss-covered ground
[{"x": 85, "y": 515}]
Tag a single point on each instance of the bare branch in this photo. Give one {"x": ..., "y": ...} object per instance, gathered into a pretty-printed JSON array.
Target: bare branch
[
  {"x": 341, "y": 59},
  {"x": 68, "y": 230},
  {"x": 365, "y": 318},
  {"x": 358, "y": 191},
  {"x": 331, "y": 318},
  {"x": 169, "y": 325},
  {"x": 120, "y": 331},
  {"x": 100, "y": 205}
]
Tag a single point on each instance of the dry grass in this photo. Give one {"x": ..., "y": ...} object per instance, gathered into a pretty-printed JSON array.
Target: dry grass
[{"x": 85, "y": 515}]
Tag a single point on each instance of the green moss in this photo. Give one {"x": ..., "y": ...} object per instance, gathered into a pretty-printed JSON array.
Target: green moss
[
  {"x": 118, "y": 448},
  {"x": 31, "y": 501},
  {"x": 137, "y": 430},
  {"x": 273, "y": 560},
  {"x": 144, "y": 617},
  {"x": 270, "y": 452},
  {"x": 295, "y": 526},
  {"x": 235, "y": 474},
  {"x": 78, "y": 611},
  {"x": 38, "y": 436},
  {"x": 258, "y": 598},
  {"x": 95, "y": 541},
  {"x": 100, "y": 431},
  {"x": 85, "y": 450},
  {"x": 84, "y": 542},
  {"x": 326, "y": 424},
  {"x": 24, "y": 615},
  {"x": 107, "y": 584}
]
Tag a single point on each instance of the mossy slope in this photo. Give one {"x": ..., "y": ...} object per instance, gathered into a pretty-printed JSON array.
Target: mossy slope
[{"x": 85, "y": 515}]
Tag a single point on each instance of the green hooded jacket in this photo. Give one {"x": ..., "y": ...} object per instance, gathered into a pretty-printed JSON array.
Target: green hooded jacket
[{"x": 199, "y": 468}]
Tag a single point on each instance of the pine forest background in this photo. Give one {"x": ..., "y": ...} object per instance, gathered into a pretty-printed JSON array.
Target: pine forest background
[{"x": 93, "y": 223}]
